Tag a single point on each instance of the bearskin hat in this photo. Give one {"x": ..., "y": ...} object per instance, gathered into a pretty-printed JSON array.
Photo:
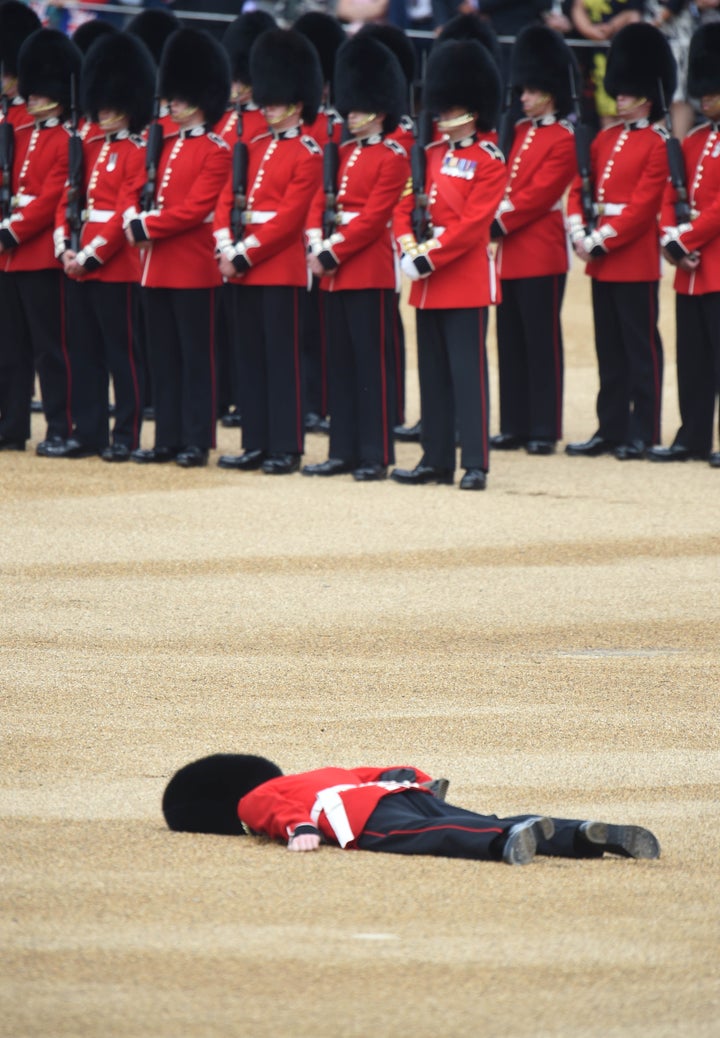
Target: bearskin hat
[
  {"x": 239, "y": 38},
  {"x": 471, "y": 27},
  {"x": 17, "y": 22},
  {"x": 396, "y": 41},
  {"x": 47, "y": 63},
  {"x": 704, "y": 61},
  {"x": 541, "y": 60},
  {"x": 285, "y": 70},
  {"x": 461, "y": 73},
  {"x": 195, "y": 68},
  {"x": 638, "y": 59},
  {"x": 203, "y": 796},
  {"x": 326, "y": 35},
  {"x": 119, "y": 74},
  {"x": 154, "y": 26},
  {"x": 368, "y": 78},
  {"x": 86, "y": 34}
]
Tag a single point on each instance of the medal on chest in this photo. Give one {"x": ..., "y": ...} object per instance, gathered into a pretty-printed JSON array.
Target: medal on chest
[
  {"x": 461, "y": 169},
  {"x": 112, "y": 161}
]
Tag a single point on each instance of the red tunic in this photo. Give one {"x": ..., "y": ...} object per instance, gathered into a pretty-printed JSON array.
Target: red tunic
[
  {"x": 284, "y": 172},
  {"x": 41, "y": 171},
  {"x": 629, "y": 172},
  {"x": 337, "y": 801},
  {"x": 253, "y": 124},
  {"x": 465, "y": 185},
  {"x": 193, "y": 167},
  {"x": 114, "y": 168},
  {"x": 701, "y": 150},
  {"x": 371, "y": 179},
  {"x": 541, "y": 165}
]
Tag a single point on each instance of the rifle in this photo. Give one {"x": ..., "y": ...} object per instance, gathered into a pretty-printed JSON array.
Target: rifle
[
  {"x": 331, "y": 163},
  {"x": 507, "y": 124},
  {"x": 7, "y": 151},
  {"x": 73, "y": 210},
  {"x": 239, "y": 185},
  {"x": 676, "y": 164},
  {"x": 582, "y": 155},
  {"x": 421, "y": 223},
  {"x": 152, "y": 157}
]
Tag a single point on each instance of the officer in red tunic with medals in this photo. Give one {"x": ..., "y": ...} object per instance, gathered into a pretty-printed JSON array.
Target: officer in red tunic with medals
[
  {"x": 266, "y": 264},
  {"x": 179, "y": 269},
  {"x": 356, "y": 262},
  {"x": 693, "y": 246},
  {"x": 33, "y": 282},
  {"x": 532, "y": 256},
  {"x": 102, "y": 293},
  {"x": 622, "y": 248},
  {"x": 453, "y": 271}
]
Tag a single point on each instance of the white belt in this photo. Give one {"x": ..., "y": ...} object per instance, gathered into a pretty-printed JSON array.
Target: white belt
[
  {"x": 345, "y": 216},
  {"x": 98, "y": 215},
  {"x": 258, "y": 216},
  {"x": 22, "y": 200},
  {"x": 609, "y": 208},
  {"x": 329, "y": 801}
]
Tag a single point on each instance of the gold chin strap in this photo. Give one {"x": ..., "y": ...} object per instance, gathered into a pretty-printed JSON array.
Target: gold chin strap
[
  {"x": 39, "y": 109},
  {"x": 639, "y": 102},
  {"x": 105, "y": 124},
  {"x": 459, "y": 120},
  {"x": 183, "y": 113},
  {"x": 360, "y": 124},
  {"x": 289, "y": 110}
]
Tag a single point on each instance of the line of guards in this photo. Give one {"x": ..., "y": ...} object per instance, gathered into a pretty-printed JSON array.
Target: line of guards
[{"x": 231, "y": 227}]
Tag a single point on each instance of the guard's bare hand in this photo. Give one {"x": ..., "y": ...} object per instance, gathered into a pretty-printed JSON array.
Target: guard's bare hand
[
  {"x": 315, "y": 267},
  {"x": 581, "y": 251},
  {"x": 227, "y": 268},
  {"x": 304, "y": 842}
]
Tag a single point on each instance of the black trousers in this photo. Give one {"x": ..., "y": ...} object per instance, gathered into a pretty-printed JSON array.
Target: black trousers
[
  {"x": 698, "y": 367},
  {"x": 314, "y": 352},
  {"x": 452, "y": 366},
  {"x": 33, "y": 339},
  {"x": 228, "y": 389},
  {"x": 102, "y": 322},
  {"x": 269, "y": 337},
  {"x": 361, "y": 374},
  {"x": 181, "y": 352},
  {"x": 530, "y": 357},
  {"x": 398, "y": 345},
  {"x": 412, "y": 822},
  {"x": 630, "y": 360}
]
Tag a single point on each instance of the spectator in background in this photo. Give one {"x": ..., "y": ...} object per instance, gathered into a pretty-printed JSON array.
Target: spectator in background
[
  {"x": 675, "y": 20},
  {"x": 601, "y": 22}
]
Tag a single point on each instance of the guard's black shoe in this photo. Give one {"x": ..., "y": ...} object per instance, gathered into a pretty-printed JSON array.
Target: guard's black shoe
[
  {"x": 281, "y": 464},
  {"x": 192, "y": 457},
  {"x": 36, "y": 406},
  {"x": 591, "y": 448},
  {"x": 473, "y": 479},
  {"x": 507, "y": 442},
  {"x": 630, "y": 841},
  {"x": 70, "y": 448},
  {"x": 231, "y": 420},
  {"x": 316, "y": 423},
  {"x": 676, "y": 452},
  {"x": 540, "y": 446},
  {"x": 408, "y": 433},
  {"x": 714, "y": 460},
  {"x": 11, "y": 445},
  {"x": 523, "y": 838},
  {"x": 634, "y": 451},
  {"x": 51, "y": 443},
  {"x": 370, "y": 473},
  {"x": 422, "y": 474},
  {"x": 246, "y": 462},
  {"x": 331, "y": 467},
  {"x": 116, "y": 452},
  {"x": 154, "y": 455}
]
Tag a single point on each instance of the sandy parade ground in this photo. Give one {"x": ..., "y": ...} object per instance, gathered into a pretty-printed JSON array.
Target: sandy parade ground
[{"x": 550, "y": 645}]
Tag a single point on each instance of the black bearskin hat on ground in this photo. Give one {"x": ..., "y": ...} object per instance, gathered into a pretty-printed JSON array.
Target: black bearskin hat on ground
[
  {"x": 47, "y": 62},
  {"x": 239, "y": 38},
  {"x": 196, "y": 69},
  {"x": 368, "y": 78},
  {"x": 396, "y": 41},
  {"x": 470, "y": 27},
  {"x": 86, "y": 34},
  {"x": 704, "y": 61},
  {"x": 461, "y": 73},
  {"x": 154, "y": 26},
  {"x": 326, "y": 35},
  {"x": 119, "y": 74},
  {"x": 541, "y": 60},
  {"x": 203, "y": 796},
  {"x": 17, "y": 22},
  {"x": 640, "y": 56},
  {"x": 285, "y": 70}
]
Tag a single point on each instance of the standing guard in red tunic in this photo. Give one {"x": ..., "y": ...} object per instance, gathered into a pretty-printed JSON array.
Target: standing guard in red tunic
[
  {"x": 620, "y": 244},
  {"x": 692, "y": 244},
  {"x": 265, "y": 261},
  {"x": 179, "y": 269},
  {"x": 532, "y": 256},
  {"x": 450, "y": 264},
  {"x": 356, "y": 261},
  {"x": 104, "y": 271}
]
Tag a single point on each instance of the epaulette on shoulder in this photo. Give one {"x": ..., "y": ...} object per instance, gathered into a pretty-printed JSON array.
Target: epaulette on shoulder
[
  {"x": 137, "y": 140},
  {"x": 394, "y": 146},
  {"x": 406, "y": 123},
  {"x": 220, "y": 141},
  {"x": 492, "y": 150},
  {"x": 311, "y": 144},
  {"x": 661, "y": 131},
  {"x": 567, "y": 126}
]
